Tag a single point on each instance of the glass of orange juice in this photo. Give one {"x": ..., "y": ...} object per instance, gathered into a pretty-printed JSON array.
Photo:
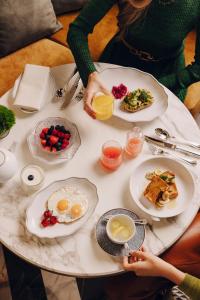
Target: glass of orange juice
[
  {"x": 103, "y": 106},
  {"x": 134, "y": 142},
  {"x": 111, "y": 157}
]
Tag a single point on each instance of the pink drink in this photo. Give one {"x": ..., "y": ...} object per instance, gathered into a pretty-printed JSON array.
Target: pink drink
[
  {"x": 111, "y": 157},
  {"x": 134, "y": 142}
]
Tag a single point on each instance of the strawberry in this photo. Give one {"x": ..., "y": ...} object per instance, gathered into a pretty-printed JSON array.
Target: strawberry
[
  {"x": 55, "y": 132},
  {"x": 67, "y": 136},
  {"x": 42, "y": 135},
  {"x": 53, "y": 139},
  {"x": 43, "y": 142},
  {"x": 45, "y": 130}
]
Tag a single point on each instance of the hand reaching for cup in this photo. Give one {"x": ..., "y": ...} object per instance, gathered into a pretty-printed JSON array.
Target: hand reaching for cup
[
  {"x": 94, "y": 86},
  {"x": 144, "y": 263}
]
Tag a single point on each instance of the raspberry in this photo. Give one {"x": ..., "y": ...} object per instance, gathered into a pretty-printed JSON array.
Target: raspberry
[
  {"x": 42, "y": 135},
  {"x": 53, "y": 220},
  {"x": 67, "y": 136},
  {"x": 55, "y": 132},
  {"x": 47, "y": 214},
  {"x": 45, "y": 222},
  {"x": 45, "y": 130}
]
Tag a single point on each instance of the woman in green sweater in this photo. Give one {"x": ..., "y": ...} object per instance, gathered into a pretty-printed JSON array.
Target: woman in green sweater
[
  {"x": 147, "y": 264},
  {"x": 150, "y": 38}
]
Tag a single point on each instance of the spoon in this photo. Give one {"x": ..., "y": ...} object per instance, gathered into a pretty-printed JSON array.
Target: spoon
[
  {"x": 158, "y": 151},
  {"x": 164, "y": 134},
  {"x": 138, "y": 221}
]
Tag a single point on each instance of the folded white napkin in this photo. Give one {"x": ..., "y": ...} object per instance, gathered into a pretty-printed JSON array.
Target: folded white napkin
[{"x": 31, "y": 90}]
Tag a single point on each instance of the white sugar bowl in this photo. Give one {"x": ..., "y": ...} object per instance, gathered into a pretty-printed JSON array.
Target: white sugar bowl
[{"x": 8, "y": 165}]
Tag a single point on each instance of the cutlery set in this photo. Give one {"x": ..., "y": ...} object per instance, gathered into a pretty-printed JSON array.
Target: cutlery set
[{"x": 164, "y": 140}]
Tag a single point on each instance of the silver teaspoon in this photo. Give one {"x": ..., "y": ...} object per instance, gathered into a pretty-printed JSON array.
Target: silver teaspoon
[{"x": 164, "y": 134}]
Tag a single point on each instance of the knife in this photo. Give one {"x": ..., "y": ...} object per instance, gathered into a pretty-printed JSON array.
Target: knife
[{"x": 171, "y": 146}]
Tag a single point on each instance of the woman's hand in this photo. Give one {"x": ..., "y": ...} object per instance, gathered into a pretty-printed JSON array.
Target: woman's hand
[
  {"x": 94, "y": 86},
  {"x": 146, "y": 264}
]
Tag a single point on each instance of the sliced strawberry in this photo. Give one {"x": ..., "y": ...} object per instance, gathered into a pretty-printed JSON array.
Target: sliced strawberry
[
  {"x": 43, "y": 142},
  {"x": 45, "y": 130},
  {"x": 53, "y": 139}
]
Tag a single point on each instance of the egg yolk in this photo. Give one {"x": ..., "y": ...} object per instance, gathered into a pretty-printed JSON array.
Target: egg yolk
[
  {"x": 62, "y": 205},
  {"x": 76, "y": 211}
]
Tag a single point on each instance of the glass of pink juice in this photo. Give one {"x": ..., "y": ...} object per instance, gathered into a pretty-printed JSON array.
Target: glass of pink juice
[
  {"x": 111, "y": 156},
  {"x": 134, "y": 142}
]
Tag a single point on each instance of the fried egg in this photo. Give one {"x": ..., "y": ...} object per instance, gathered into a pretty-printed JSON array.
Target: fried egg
[{"x": 67, "y": 204}]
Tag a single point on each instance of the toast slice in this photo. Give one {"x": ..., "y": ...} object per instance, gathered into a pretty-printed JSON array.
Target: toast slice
[
  {"x": 155, "y": 189},
  {"x": 129, "y": 108}
]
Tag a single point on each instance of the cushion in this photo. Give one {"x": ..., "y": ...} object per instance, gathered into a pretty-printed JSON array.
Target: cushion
[
  {"x": 43, "y": 52},
  {"x": 25, "y": 21},
  {"x": 64, "y": 6}
]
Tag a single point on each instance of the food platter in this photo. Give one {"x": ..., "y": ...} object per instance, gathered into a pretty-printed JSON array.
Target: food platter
[
  {"x": 184, "y": 181},
  {"x": 134, "y": 79}
]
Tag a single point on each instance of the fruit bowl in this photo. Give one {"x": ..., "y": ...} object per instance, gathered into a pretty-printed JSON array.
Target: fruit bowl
[{"x": 55, "y": 135}]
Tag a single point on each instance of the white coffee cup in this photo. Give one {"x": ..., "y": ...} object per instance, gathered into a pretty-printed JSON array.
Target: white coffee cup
[
  {"x": 120, "y": 228},
  {"x": 8, "y": 165}
]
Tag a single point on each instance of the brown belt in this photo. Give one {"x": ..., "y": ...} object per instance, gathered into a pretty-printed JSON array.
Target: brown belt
[{"x": 143, "y": 55}]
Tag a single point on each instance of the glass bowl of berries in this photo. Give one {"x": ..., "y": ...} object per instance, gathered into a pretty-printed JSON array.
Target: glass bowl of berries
[{"x": 55, "y": 135}]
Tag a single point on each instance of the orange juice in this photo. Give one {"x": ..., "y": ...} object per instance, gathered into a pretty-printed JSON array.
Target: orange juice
[
  {"x": 103, "y": 106},
  {"x": 111, "y": 157}
]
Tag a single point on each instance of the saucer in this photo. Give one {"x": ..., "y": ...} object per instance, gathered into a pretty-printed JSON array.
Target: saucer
[{"x": 115, "y": 249}]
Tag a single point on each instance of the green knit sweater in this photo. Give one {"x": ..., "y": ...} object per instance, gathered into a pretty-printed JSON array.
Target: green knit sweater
[
  {"x": 161, "y": 33},
  {"x": 191, "y": 287}
]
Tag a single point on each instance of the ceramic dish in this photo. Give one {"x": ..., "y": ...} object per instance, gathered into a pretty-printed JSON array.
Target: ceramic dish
[
  {"x": 184, "y": 182},
  {"x": 47, "y": 157},
  {"x": 38, "y": 206},
  {"x": 134, "y": 79},
  {"x": 116, "y": 249}
]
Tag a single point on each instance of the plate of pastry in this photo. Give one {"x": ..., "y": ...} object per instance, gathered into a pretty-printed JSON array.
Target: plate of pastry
[
  {"x": 139, "y": 97},
  {"x": 163, "y": 187},
  {"x": 62, "y": 208}
]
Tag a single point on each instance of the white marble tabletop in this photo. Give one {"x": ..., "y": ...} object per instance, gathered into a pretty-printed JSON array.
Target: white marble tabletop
[{"x": 79, "y": 254}]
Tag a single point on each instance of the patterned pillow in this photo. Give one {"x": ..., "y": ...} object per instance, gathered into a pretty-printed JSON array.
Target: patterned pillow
[
  {"x": 64, "y": 6},
  {"x": 25, "y": 21}
]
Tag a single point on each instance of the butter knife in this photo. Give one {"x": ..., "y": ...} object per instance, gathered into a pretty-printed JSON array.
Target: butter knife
[{"x": 171, "y": 146}]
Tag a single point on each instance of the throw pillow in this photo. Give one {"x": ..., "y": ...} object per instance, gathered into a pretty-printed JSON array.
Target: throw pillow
[
  {"x": 25, "y": 21},
  {"x": 64, "y": 6}
]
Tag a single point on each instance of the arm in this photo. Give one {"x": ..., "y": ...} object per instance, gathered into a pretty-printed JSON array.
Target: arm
[
  {"x": 77, "y": 37},
  {"x": 189, "y": 74}
]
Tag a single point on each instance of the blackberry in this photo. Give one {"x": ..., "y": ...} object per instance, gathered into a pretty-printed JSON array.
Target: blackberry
[
  {"x": 67, "y": 131},
  {"x": 57, "y": 127},
  {"x": 62, "y": 129}
]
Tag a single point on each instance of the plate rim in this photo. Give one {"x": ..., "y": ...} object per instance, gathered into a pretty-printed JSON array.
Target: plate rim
[
  {"x": 43, "y": 189},
  {"x": 148, "y": 75},
  {"x": 154, "y": 158}
]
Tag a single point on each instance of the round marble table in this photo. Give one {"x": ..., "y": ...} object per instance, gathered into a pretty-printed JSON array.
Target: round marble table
[{"x": 79, "y": 254}]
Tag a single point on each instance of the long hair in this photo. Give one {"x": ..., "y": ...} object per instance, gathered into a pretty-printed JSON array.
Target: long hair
[{"x": 131, "y": 11}]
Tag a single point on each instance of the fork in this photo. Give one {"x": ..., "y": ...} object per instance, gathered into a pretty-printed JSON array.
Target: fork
[{"x": 158, "y": 151}]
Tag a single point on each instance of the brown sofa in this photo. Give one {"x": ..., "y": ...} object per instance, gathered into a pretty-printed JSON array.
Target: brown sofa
[{"x": 55, "y": 51}]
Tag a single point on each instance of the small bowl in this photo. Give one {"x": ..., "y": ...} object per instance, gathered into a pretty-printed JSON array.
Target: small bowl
[
  {"x": 127, "y": 221},
  {"x": 53, "y": 121}
]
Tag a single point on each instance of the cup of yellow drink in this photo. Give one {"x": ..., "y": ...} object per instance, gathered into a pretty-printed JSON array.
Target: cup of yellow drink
[{"x": 103, "y": 106}]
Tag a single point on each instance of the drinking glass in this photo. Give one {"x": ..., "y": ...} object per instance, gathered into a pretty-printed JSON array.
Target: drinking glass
[
  {"x": 103, "y": 106},
  {"x": 134, "y": 142},
  {"x": 111, "y": 156}
]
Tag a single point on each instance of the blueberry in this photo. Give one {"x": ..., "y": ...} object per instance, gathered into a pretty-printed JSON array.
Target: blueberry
[
  {"x": 30, "y": 177},
  {"x": 62, "y": 128}
]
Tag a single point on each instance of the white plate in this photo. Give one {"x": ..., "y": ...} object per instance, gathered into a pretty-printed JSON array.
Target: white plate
[
  {"x": 184, "y": 181},
  {"x": 38, "y": 206},
  {"x": 134, "y": 79}
]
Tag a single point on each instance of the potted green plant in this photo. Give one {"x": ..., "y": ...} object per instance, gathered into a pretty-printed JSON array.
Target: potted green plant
[{"x": 7, "y": 120}]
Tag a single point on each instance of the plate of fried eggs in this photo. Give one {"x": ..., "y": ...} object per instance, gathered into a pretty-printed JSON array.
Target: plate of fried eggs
[{"x": 68, "y": 203}]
